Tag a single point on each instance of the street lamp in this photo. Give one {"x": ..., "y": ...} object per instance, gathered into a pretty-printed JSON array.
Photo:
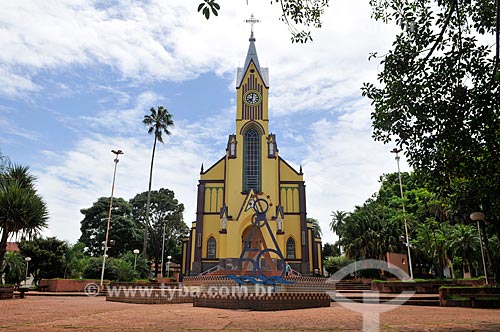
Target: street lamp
[
  {"x": 162, "y": 251},
  {"x": 168, "y": 266},
  {"x": 27, "y": 260},
  {"x": 397, "y": 151},
  {"x": 117, "y": 153},
  {"x": 478, "y": 216},
  {"x": 136, "y": 252}
]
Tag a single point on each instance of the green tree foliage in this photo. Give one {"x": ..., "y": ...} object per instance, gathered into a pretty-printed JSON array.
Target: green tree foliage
[
  {"x": 316, "y": 228},
  {"x": 22, "y": 210},
  {"x": 47, "y": 257},
  {"x": 338, "y": 220},
  {"x": 436, "y": 235},
  {"x": 94, "y": 268},
  {"x": 439, "y": 97},
  {"x": 124, "y": 231},
  {"x": 334, "y": 263},
  {"x": 294, "y": 13},
  {"x": 165, "y": 211},
  {"x": 75, "y": 260},
  {"x": 142, "y": 266},
  {"x": 464, "y": 242},
  {"x": 117, "y": 269},
  {"x": 331, "y": 250},
  {"x": 15, "y": 268},
  {"x": 159, "y": 121}
]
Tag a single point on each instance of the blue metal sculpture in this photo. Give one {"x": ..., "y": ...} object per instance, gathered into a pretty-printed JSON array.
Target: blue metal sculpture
[{"x": 254, "y": 256}]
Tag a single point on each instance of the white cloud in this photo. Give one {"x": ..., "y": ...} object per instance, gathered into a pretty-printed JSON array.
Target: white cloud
[
  {"x": 145, "y": 42},
  {"x": 12, "y": 84}
]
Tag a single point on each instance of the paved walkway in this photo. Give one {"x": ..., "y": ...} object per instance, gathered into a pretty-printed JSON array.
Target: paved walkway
[{"x": 48, "y": 313}]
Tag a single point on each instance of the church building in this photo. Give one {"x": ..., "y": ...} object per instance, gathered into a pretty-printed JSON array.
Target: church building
[{"x": 251, "y": 169}]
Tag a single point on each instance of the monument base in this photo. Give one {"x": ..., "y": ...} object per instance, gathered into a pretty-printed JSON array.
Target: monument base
[{"x": 263, "y": 302}]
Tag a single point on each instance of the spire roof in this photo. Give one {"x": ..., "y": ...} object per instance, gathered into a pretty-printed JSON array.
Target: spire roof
[{"x": 252, "y": 56}]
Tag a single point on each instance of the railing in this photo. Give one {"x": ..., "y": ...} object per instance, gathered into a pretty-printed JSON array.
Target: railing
[
  {"x": 297, "y": 273},
  {"x": 212, "y": 269}
]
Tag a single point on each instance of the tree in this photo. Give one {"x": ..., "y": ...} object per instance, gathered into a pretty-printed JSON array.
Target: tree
[
  {"x": 15, "y": 268},
  {"x": 438, "y": 96},
  {"x": 124, "y": 231},
  {"x": 316, "y": 228},
  {"x": 142, "y": 266},
  {"x": 158, "y": 122},
  {"x": 338, "y": 220},
  {"x": 294, "y": 12},
  {"x": 166, "y": 216},
  {"x": 75, "y": 260},
  {"x": 464, "y": 241},
  {"x": 47, "y": 257},
  {"x": 334, "y": 263},
  {"x": 331, "y": 250},
  {"x": 22, "y": 210}
]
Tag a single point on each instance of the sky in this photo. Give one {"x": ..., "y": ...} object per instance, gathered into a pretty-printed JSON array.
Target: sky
[{"x": 77, "y": 78}]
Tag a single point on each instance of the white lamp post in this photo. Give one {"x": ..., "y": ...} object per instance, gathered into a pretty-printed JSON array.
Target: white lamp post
[
  {"x": 162, "y": 250},
  {"x": 136, "y": 252},
  {"x": 168, "y": 266},
  {"x": 478, "y": 216},
  {"x": 117, "y": 153},
  {"x": 27, "y": 260},
  {"x": 397, "y": 151}
]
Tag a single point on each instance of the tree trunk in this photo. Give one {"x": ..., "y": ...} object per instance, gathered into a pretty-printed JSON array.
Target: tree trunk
[
  {"x": 148, "y": 201},
  {"x": 3, "y": 248}
]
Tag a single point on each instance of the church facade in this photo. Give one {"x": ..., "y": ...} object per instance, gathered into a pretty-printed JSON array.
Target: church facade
[{"x": 251, "y": 169}]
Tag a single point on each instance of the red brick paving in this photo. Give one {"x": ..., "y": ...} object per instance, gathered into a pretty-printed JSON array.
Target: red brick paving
[{"x": 41, "y": 313}]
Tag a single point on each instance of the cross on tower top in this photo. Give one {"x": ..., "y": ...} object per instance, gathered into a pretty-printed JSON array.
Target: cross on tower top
[{"x": 252, "y": 21}]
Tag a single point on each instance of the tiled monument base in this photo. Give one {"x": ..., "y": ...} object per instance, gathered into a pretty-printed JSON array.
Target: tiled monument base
[
  {"x": 263, "y": 302},
  {"x": 223, "y": 292}
]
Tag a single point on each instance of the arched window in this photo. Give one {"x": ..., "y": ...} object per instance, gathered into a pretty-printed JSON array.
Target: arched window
[
  {"x": 211, "y": 248},
  {"x": 251, "y": 161},
  {"x": 290, "y": 248}
]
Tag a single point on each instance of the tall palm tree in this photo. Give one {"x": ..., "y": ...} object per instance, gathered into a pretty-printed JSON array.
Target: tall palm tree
[
  {"x": 22, "y": 210},
  {"x": 338, "y": 221},
  {"x": 158, "y": 122}
]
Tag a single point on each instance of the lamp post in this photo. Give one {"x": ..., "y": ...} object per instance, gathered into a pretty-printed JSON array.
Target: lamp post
[
  {"x": 27, "y": 260},
  {"x": 397, "y": 151},
  {"x": 163, "y": 251},
  {"x": 478, "y": 216},
  {"x": 136, "y": 252},
  {"x": 117, "y": 153},
  {"x": 168, "y": 266}
]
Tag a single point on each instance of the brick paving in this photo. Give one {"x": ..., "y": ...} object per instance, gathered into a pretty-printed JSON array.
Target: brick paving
[{"x": 49, "y": 313}]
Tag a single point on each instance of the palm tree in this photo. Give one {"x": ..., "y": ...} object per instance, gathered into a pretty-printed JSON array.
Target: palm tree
[
  {"x": 464, "y": 242},
  {"x": 316, "y": 228},
  {"x": 22, "y": 210},
  {"x": 15, "y": 268},
  {"x": 338, "y": 221},
  {"x": 158, "y": 122}
]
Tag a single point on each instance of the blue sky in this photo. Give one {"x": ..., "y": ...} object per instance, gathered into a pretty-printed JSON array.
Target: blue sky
[{"x": 77, "y": 77}]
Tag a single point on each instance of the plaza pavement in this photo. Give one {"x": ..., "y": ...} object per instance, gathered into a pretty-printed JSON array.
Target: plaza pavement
[{"x": 77, "y": 313}]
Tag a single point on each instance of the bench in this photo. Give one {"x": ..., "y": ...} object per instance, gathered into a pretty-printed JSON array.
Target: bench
[
  {"x": 42, "y": 288},
  {"x": 21, "y": 291},
  {"x": 474, "y": 297}
]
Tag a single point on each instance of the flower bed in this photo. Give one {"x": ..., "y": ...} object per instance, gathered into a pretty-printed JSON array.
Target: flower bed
[
  {"x": 6, "y": 292},
  {"x": 66, "y": 285}
]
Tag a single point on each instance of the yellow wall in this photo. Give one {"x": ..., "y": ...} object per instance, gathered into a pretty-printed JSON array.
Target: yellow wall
[{"x": 223, "y": 184}]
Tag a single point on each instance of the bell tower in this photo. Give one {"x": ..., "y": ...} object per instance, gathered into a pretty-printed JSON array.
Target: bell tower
[
  {"x": 251, "y": 170},
  {"x": 252, "y": 88}
]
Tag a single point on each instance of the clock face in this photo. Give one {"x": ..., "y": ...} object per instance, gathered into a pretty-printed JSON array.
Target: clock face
[{"x": 252, "y": 98}]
